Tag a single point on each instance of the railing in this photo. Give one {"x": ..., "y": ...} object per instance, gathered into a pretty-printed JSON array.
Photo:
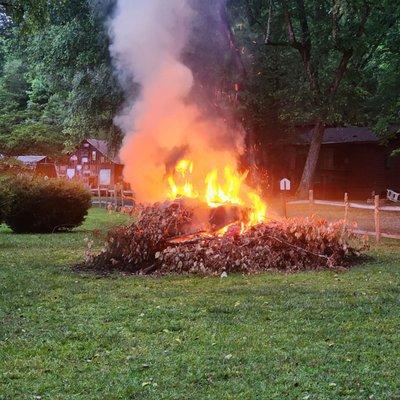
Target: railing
[
  {"x": 113, "y": 199},
  {"x": 347, "y": 205}
]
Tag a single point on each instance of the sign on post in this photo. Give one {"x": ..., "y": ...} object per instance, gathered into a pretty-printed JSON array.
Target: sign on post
[{"x": 285, "y": 184}]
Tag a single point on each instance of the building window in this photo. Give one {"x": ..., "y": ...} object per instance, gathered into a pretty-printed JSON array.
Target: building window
[
  {"x": 85, "y": 160},
  {"x": 85, "y": 144},
  {"x": 94, "y": 154}
]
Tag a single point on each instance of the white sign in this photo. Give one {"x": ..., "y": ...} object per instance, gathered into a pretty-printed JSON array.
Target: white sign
[
  {"x": 70, "y": 173},
  {"x": 105, "y": 177},
  {"x": 284, "y": 184}
]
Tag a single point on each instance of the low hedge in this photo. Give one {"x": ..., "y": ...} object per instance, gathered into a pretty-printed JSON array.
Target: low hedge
[
  {"x": 39, "y": 205},
  {"x": 4, "y": 198}
]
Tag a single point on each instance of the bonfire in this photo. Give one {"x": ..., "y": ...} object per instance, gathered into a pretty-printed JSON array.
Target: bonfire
[{"x": 221, "y": 227}]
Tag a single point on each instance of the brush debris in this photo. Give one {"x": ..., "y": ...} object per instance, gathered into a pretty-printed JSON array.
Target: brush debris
[{"x": 162, "y": 241}]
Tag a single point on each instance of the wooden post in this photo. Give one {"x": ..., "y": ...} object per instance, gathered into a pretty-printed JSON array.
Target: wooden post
[
  {"x": 99, "y": 194},
  {"x": 346, "y": 208},
  {"x": 116, "y": 197},
  {"x": 311, "y": 202},
  {"x": 377, "y": 219},
  {"x": 283, "y": 204}
]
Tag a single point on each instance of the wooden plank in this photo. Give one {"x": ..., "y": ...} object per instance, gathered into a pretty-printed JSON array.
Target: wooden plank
[
  {"x": 297, "y": 202},
  {"x": 371, "y": 233},
  {"x": 322, "y": 202},
  {"x": 362, "y": 206},
  {"x": 390, "y": 208},
  {"x": 330, "y": 203},
  {"x": 351, "y": 205}
]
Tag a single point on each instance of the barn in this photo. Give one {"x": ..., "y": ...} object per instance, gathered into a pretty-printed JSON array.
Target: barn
[{"x": 94, "y": 164}]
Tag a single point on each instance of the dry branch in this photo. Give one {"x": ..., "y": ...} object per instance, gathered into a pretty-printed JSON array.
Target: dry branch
[{"x": 163, "y": 241}]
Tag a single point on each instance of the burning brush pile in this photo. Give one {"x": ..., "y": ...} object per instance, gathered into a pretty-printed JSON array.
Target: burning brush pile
[
  {"x": 207, "y": 218},
  {"x": 174, "y": 237}
]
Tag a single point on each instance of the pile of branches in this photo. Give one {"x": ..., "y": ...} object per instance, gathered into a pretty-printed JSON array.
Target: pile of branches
[{"x": 162, "y": 242}]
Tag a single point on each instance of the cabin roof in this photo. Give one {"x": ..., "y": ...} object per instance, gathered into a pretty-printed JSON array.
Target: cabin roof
[
  {"x": 31, "y": 159},
  {"x": 102, "y": 147},
  {"x": 341, "y": 135}
]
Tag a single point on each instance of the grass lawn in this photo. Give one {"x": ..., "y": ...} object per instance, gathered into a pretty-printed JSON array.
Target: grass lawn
[{"x": 305, "y": 336}]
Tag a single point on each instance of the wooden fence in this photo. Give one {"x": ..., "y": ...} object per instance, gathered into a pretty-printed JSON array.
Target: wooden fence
[
  {"x": 376, "y": 208},
  {"x": 113, "y": 199},
  {"x": 123, "y": 200}
]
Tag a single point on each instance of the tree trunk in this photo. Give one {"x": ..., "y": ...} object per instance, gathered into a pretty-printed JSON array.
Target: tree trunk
[{"x": 312, "y": 159}]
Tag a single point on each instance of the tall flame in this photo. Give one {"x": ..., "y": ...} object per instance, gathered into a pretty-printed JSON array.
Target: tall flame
[
  {"x": 231, "y": 190},
  {"x": 227, "y": 193}
]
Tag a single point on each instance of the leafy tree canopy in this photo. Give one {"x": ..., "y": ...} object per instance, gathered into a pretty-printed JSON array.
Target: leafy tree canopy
[{"x": 57, "y": 83}]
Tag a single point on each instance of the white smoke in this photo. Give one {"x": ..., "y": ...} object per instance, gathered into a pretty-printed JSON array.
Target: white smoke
[{"x": 147, "y": 39}]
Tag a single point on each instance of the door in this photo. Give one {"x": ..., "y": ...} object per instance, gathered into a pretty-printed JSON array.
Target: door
[{"x": 105, "y": 177}]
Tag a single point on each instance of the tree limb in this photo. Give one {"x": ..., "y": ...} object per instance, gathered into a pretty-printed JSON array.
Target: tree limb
[
  {"x": 269, "y": 22},
  {"x": 347, "y": 53}
]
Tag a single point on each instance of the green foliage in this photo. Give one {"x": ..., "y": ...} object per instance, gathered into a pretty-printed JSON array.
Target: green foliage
[
  {"x": 283, "y": 86},
  {"x": 32, "y": 138},
  {"x": 57, "y": 84},
  {"x": 11, "y": 165},
  {"x": 45, "y": 205},
  {"x": 5, "y": 195}
]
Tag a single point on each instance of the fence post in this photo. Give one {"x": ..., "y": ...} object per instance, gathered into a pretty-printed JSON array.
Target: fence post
[
  {"x": 115, "y": 198},
  {"x": 283, "y": 204},
  {"x": 346, "y": 208},
  {"x": 377, "y": 219},
  {"x": 99, "y": 195},
  {"x": 310, "y": 202}
]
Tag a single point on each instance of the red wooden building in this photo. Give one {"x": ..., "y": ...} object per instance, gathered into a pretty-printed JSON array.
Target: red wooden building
[{"x": 94, "y": 164}]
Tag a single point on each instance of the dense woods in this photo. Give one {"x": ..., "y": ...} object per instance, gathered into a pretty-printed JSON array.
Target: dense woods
[
  {"x": 270, "y": 64},
  {"x": 57, "y": 83}
]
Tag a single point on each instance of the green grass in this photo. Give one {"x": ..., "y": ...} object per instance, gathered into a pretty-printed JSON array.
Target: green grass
[{"x": 316, "y": 335}]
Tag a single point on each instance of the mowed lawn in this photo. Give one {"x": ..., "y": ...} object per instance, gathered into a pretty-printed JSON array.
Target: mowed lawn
[{"x": 316, "y": 335}]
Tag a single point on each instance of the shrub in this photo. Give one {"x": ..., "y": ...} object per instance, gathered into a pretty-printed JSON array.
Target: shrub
[
  {"x": 39, "y": 205},
  {"x": 4, "y": 198}
]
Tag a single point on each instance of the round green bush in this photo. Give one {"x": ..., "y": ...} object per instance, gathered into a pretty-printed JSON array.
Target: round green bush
[
  {"x": 4, "y": 199},
  {"x": 38, "y": 205}
]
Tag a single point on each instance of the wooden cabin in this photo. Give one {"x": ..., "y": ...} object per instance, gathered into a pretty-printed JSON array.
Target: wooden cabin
[
  {"x": 351, "y": 160},
  {"x": 94, "y": 164},
  {"x": 41, "y": 165}
]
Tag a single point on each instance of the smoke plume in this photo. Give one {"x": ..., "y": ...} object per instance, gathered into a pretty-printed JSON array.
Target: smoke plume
[{"x": 160, "y": 125}]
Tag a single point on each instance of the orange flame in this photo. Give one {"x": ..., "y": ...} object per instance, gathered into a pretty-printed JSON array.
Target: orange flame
[
  {"x": 184, "y": 168},
  {"x": 231, "y": 190}
]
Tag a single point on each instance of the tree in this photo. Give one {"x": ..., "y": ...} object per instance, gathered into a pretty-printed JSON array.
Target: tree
[
  {"x": 58, "y": 84},
  {"x": 334, "y": 42}
]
